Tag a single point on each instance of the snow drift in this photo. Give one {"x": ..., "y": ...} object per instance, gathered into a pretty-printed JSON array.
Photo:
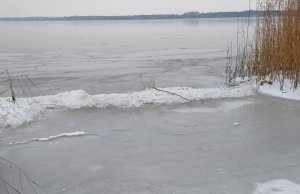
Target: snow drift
[
  {"x": 25, "y": 110},
  {"x": 288, "y": 91}
]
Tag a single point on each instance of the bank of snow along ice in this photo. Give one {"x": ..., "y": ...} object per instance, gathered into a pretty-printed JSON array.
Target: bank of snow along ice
[{"x": 26, "y": 110}]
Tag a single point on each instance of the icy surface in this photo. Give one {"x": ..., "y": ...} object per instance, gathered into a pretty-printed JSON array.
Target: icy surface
[
  {"x": 163, "y": 146},
  {"x": 154, "y": 149},
  {"x": 280, "y": 186},
  {"x": 225, "y": 106},
  {"x": 27, "y": 109}
]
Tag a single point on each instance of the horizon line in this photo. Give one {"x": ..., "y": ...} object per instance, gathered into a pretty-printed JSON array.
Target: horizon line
[{"x": 158, "y": 14}]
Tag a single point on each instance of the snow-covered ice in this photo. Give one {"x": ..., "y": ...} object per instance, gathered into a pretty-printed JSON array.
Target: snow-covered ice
[
  {"x": 280, "y": 186},
  {"x": 288, "y": 91},
  {"x": 236, "y": 124}
]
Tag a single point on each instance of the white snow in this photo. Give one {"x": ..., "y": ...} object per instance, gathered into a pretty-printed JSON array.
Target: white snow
[
  {"x": 280, "y": 186},
  {"x": 274, "y": 90},
  {"x": 27, "y": 110},
  {"x": 73, "y": 134},
  {"x": 236, "y": 124},
  {"x": 288, "y": 91}
]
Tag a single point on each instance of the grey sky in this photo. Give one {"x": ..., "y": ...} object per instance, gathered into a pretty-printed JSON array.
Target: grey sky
[{"x": 10, "y": 8}]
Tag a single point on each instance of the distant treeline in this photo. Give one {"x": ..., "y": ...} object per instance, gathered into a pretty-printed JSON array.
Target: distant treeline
[{"x": 188, "y": 15}]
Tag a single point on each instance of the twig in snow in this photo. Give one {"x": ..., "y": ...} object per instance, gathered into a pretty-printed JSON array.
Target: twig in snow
[{"x": 170, "y": 93}]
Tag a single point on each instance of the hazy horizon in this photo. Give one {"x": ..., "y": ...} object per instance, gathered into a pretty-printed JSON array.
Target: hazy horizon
[
  {"x": 55, "y": 8},
  {"x": 157, "y": 14}
]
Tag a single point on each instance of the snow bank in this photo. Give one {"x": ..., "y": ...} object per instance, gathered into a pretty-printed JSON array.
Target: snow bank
[
  {"x": 280, "y": 186},
  {"x": 74, "y": 134},
  {"x": 288, "y": 91},
  {"x": 26, "y": 110},
  {"x": 274, "y": 90}
]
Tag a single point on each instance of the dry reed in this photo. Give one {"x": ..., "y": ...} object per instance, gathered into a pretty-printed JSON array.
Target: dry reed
[{"x": 276, "y": 51}]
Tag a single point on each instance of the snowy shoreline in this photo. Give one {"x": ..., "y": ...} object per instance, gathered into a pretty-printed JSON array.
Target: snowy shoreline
[{"x": 288, "y": 91}]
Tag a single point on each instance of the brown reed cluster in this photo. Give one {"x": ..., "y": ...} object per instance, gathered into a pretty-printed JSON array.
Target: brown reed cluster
[{"x": 276, "y": 51}]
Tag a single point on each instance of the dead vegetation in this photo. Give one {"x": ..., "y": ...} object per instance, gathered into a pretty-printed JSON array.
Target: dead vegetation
[
  {"x": 277, "y": 42},
  {"x": 239, "y": 56},
  {"x": 14, "y": 87},
  {"x": 275, "y": 54},
  {"x": 22, "y": 183}
]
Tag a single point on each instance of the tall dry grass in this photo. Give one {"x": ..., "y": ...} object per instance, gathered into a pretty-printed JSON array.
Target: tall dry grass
[{"x": 276, "y": 50}]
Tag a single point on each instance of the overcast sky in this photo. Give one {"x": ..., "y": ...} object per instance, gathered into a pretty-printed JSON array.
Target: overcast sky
[{"x": 10, "y": 8}]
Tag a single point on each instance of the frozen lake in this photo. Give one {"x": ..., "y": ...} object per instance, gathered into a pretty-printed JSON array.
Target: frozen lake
[
  {"x": 116, "y": 56},
  {"x": 163, "y": 144}
]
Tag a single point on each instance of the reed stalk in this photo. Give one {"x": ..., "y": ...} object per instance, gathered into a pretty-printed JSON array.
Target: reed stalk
[{"x": 276, "y": 52}]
